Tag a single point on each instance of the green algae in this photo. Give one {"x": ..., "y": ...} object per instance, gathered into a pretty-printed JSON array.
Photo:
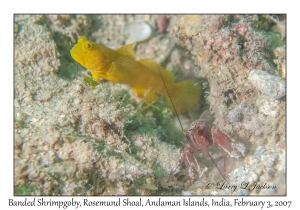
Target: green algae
[
  {"x": 24, "y": 189},
  {"x": 123, "y": 97},
  {"x": 90, "y": 81},
  {"x": 21, "y": 123},
  {"x": 158, "y": 170}
]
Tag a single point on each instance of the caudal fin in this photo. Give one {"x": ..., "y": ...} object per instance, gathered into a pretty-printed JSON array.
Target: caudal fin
[{"x": 185, "y": 95}]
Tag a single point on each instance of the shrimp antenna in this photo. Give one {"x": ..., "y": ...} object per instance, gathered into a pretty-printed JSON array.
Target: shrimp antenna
[
  {"x": 170, "y": 99},
  {"x": 217, "y": 167},
  {"x": 181, "y": 124}
]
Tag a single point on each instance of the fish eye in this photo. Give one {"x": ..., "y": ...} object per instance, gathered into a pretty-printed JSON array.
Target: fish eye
[{"x": 88, "y": 46}]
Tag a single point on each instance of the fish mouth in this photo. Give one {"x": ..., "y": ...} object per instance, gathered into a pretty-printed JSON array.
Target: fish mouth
[
  {"x": 76, "y": 54},
  {"x": 73, "y": 52}
]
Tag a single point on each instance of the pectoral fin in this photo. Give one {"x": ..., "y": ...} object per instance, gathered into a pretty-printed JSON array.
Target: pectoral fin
[
  {"x": 127, "y": 50},
  {"x": 146, "y": 94},
  {"x": 96, "y": 76}
]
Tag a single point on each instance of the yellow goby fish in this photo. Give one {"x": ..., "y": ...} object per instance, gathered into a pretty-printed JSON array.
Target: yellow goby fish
[{"x": 142, "y": 75}]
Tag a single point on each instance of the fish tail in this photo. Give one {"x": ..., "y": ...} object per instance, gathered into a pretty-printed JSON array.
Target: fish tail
[{"x": 184, "y": 95}]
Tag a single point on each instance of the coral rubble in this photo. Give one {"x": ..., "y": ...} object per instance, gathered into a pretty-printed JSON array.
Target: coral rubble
[
  {"x": 75, "y": 139},
  {"x": 227, "y": 48}
]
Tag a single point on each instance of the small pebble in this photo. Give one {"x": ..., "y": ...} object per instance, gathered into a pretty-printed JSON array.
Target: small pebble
[
  {"x": 162, "y": 23},
  {"x": 20, "y": 116},
  {"x": 214, "y": 193},
  {"x": 270, "y": 173},
  {"x": 268, "y": 106},
  {"x": 241, "y": 170},
  {"x": 138, "y": 143},
  {"x": 242, "y": 192},
  {"x": 186, "y": 193},
  {"x": 259, "y": 151},
  {"x": 272, "y": 85},
  {"x": 235, "y": 116},
  {"x": 138, "y": 31}
]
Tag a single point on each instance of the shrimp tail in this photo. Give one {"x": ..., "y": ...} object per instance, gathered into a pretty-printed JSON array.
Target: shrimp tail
[{"x": 184, "y": 95}]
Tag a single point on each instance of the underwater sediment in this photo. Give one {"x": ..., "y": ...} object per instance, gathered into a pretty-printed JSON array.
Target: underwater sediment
[{"x": 72, "y": 138}]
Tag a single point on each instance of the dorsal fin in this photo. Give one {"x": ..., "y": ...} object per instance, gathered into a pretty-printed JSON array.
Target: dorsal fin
[{"x": 127, "y": 50}]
